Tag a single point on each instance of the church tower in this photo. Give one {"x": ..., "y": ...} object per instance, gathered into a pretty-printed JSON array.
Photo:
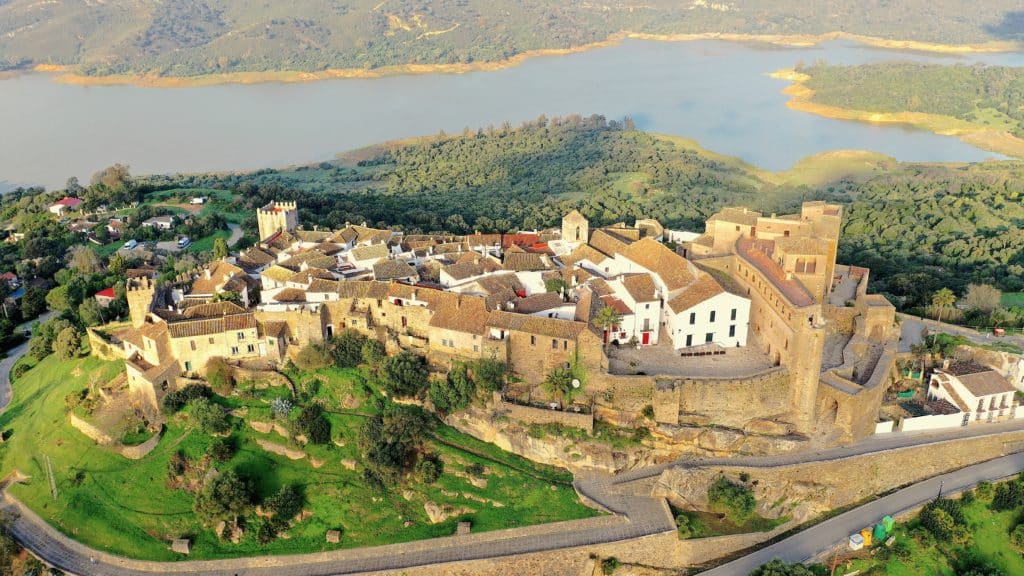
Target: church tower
[{"x": 575, "y": 228}]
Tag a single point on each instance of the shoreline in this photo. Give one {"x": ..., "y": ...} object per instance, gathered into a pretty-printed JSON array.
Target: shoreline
[
  {"x": 66, "y": 74},
  {"x": 998, "y": 141}
]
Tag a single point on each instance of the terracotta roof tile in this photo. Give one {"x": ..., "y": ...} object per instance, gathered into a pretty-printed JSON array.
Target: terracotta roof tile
[
  {"x": 566, "y": 329},
  {"x": 640, "y": 287},
  {"x": 703, "y": 288},
  {"x": 672, "y": 268}
]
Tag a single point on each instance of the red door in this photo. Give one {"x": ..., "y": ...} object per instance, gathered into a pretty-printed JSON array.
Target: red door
[{"x": 647, "y": 338}]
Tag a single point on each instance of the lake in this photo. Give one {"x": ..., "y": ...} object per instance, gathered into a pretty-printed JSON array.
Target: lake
[{"x": 715, "y": 92}]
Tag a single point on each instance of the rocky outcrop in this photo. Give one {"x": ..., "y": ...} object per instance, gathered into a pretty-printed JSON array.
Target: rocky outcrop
[
  {"x": 438, "y": 513},
  {"x": 290, "y": 453}
]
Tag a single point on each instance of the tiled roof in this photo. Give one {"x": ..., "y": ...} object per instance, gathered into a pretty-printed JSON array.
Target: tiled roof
[
  {"x": 737, "y": 215},
  {"x": 607, "y": 242},
  {"x": 374, "y": 251},
  {"x": 538, "y": 303},
  {"x": 463, "y": 270},
  {"x": 802, "y": 245},
  {"x": 290, "y": 295},
  {"x": 650, "y": 227},
  {"x": 584, "y": 252},
  {"x": 105, "y": 293},
  {"x": 217, "y": 325},
  {"x": 574, "y": 216},
  {"x": 614, "y": 303},
  {"x": 219, "y": 273},
  {"x": 278, "y": 273},
  {"x": 313, "y": 235},
  {"x": 499, "y": 282},
  {"x": 207, "y": 310},
  {"x": 672, "y": 268},
  {"x": 567, "y": 329},
  {"x": 640, "y": 287},
  {"x": 986, "y": 383},
  {"x": 274, "y": 328},
  {"x": 964, "y": 368},
  {"x": 460, "y": 312},
  {"x": 526, "y": 262},
  {"x": 255, "y": 257},
  {"x": 790, "y": 289},
  {"x": 393, "y": 270},
  {"x": 703, "y": 288}
]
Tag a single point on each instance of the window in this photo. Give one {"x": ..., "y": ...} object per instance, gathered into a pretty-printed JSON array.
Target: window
[
  {"x": 270, "y": 341},
  {"x": 711, "y": 317},
  {"x": 565, "y": 344},
  {"x": 689, "y": 340},
  {"x": 250, "y": 348},
  {"x": 732, "y": 331},
  {"x": 732, "y": 315},
  {"x": 476, "y": 348},
  {"x": 693, "y": 318},
  {"x": 647, "y": 306},
  {"x": 533, "y": 340},
  {"x": 192, "y": 345},
  {"x": 554, "y": 344},
  {"x": 211, "y": 339},
  {"x": 241, "y": 336},
  {"x": 188, "y": 366},
  {"x": 330, "y": 331},
  {"x": 234, "y": 350},
  {"x": 709, "y": 337},
  {"x": 355, "y": 322}
]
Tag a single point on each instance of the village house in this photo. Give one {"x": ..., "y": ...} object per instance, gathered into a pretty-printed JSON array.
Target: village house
[
  {"x": 64, "y": 205},
  {"x": 980, "y": 393},
  {"x": 165, "y": 222}
]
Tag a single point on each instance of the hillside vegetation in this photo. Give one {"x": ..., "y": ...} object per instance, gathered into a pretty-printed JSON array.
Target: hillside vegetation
[
  {"x": 194, "y": 37},
  {"x": 989, "y": 96},
  {"x": 918, "y": 227}
]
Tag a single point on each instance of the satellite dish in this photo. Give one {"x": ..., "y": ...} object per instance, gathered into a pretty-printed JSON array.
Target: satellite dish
[{"x": 575, "y": 383}]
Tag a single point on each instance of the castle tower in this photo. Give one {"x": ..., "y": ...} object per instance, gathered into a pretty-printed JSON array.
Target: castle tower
[
  {"x": 575, "y": 228},
  {"x": 140, "y": 292},
  {"x": 275, "y": 217}
]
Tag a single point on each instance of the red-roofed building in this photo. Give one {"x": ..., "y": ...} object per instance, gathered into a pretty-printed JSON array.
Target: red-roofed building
[
  {"x": 66, "y": 204},
  {"x": 105, "y": 297}
]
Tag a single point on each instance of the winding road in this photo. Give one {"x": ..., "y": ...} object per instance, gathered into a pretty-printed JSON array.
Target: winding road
[
  {"x": 632, "y": 516},
  {"x": 13, "y": 355}
]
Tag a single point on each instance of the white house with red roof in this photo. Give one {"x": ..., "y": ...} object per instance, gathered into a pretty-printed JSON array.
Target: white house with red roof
[
  {"x": 66, "y": 204},
  {"x": 105, "y": 297}
]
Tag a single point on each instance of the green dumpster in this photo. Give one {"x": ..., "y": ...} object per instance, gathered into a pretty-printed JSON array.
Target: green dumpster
[
  {"x": 879, "y": 533},
  {"x": 889, "y": 524},
  {"x": 907, "y": 394}
]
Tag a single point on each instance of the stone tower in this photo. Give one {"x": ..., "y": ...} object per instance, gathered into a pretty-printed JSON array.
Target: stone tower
[
  {"x": 575, "y": 228},
  {"x": 275, "y": 217},
  {"x": 140, "y": 292}
]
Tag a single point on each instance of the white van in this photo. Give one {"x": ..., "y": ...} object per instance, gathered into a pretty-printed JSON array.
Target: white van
[
  {"x": 131, "y": 244},
  {"x": 184, "y": 242}
]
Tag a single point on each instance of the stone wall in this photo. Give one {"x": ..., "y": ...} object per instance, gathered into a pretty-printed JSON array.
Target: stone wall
[
  {"x": 95, "y": 434},
  {"x": 140, "y": 451},
  {"x": 841, "y": 318},
  {"x": 532, "y": 415},
  {"x": 102, "y": 347},
  {"x": 804, "y": 491}
]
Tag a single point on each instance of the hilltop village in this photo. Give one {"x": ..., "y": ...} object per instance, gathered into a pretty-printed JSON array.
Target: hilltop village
[{"x": 748, "y": 337}]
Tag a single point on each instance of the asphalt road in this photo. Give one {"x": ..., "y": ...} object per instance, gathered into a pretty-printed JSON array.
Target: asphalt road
[
  {"x": 13, "y": 355},
  {"x": 824, "y": 536}
]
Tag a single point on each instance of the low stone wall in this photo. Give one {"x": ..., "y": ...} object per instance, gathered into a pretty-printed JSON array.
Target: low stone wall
[
  {"x": 142, "y": 450},
  {"x": 98, "y": 436},
  {"x": 804, "y": 491},
  {"x": 102, "y": 347},
  {"x": 531, "y": 415},
  {"x": 841, "y": 318}
]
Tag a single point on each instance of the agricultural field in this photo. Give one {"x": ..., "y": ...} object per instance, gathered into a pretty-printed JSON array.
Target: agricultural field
[{"x": 134, "y": 508}]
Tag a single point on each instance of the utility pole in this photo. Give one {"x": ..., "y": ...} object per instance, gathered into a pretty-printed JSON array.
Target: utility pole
[{"x": 939, "y": 497}]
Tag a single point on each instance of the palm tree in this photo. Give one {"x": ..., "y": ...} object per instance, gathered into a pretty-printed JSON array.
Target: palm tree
[
  {"x": 943, "y": 299},
  {"x": 559, "y": 382},
  {"x": 606, "y": 319}
]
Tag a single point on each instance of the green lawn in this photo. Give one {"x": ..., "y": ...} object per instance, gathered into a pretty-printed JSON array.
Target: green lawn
[
  {"x": 125, "y": 506},
  {"x": 1011, "y": 299},
  {"x": 989, "y": 541}
]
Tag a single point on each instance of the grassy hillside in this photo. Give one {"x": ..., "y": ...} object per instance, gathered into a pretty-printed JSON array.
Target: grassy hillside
[{"x": 193, "y": 37}]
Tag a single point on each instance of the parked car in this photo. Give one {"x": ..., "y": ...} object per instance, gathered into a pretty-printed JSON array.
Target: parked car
[
  {"x": 184, "y": 242},
  {"x": 131, "y": 244}
]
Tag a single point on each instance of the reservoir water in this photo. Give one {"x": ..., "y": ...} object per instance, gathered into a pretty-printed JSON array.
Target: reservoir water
[{"x": 717, "y": 93}]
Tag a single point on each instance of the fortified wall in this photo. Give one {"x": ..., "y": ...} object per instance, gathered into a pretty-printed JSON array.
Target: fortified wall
[{"x": 803, "y": 491}]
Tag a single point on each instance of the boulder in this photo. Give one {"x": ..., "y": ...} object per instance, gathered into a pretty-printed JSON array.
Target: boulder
[
  {"x": 333, "y": 536},
  {"x": 438, "y": 513}
]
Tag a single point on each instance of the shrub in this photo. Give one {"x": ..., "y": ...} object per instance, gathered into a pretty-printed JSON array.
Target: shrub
[
  {"x": 1008, "y": 496},
  {"x": 944, "y": 518},
  {"x": 1017, "y": 537},
  {"x": 648, "y": 412},
  {"x": 372, "y": 352},
  {"x": 489, "y": 374},
  {"x": 20, "y": 370},
  {"x": 285, "y": 504},
  {"x": 454, "y": 392},
  {"x": 476, "y": 469},
  {"x": 224, "y": 497},
  {"x": 734, "y": 500},
  {"x": 683, "y": 527},
  {"x": 347, "y": 348},
  {"x": 314, "y": 356},
  {"x": 389, "y": 441},
  {"x": 207, "y": 416},
  {"x": 984, "y": 489},
  {"x": 175, "y": 401},
  {"x": 429, "y": 469},
  {"x": 609, "y": 565},
  {"x": 314, "y": 425},
  {"x": 404, "y": 374},
  {"x": 779, "y": 568},
  {"x": 280, "y": 407},
  {"x": 220, "y": 375},
  {"x": 222, "y": 449}
]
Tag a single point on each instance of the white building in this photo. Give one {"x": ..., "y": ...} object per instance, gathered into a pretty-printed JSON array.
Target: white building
[
  {"x": 705, "y": 313},
  {"x": 641, "y": 297},
  {"x": 979, "y": 392}
]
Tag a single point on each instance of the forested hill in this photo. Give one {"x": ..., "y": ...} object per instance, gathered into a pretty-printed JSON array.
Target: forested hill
[
  {"x": 918, "y": 227},
  {"x": 988, "y": 96},
  {"x": 193, "y": 37}
]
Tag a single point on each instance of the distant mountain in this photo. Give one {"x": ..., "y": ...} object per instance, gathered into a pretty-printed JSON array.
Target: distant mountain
[{"x": 195, "y": 37}]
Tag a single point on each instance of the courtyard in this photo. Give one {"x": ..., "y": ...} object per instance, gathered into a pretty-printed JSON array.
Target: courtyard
[{"x": 708, "y": 361}]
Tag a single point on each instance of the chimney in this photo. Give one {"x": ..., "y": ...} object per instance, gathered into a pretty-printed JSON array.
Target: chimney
[
  {"x": 945, "y": 363},
  {"x": 206, "y": 273}
]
